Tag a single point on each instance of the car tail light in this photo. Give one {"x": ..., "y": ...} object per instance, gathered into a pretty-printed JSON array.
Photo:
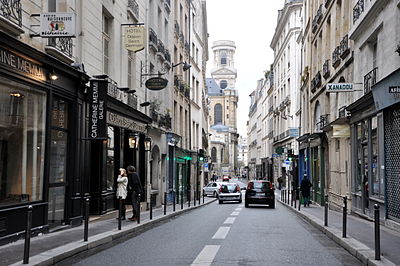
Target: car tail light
[
  {"x": 270, "y": 186},
  {"x": 237, "y": 188},
  {"x": 250, "y": 185},
  {"x": 220, "y": 189}
]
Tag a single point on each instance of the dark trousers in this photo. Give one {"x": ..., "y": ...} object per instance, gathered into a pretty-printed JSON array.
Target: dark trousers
[{"x": 135, "y": 204}]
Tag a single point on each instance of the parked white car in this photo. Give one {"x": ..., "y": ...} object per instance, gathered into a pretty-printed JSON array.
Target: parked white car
[{"x": 212, "y": 189}]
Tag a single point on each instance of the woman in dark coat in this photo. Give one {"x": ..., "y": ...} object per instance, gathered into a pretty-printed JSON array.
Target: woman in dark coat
[{"x": 305, "y": 187}]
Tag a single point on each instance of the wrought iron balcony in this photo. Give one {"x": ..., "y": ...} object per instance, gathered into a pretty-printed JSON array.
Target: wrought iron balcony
[
  {"x": 161, "y": 48},
  {"x": 316, "y": 81},
  {"x": 132, "y": 100},
  {"x": 336, "y": 57},
  {"x": 357, "y": 10},
  {"x": 271, "y": 109},
  {"x": 167, "y": 55},
  {"x": 317, "y": 19},
  {"x": 133, "y": 7},
  {"x": 325, "y": 69},
  {"x": 327, "y": 2},
  {"x": 344, "y": 47},
  {"x": 342, "y": 111},
  {"x": 167, "y": 5},
  {"x": 153, "y": 36},
  {"x": 323, "y": 121},
  {"x": 165, "y": 121},
  {"x": 287, "y": 100},
  {"x": 63, "y": 45},
  {"x": 370, "y": 80},
  {"x": 12, "y": 11}
]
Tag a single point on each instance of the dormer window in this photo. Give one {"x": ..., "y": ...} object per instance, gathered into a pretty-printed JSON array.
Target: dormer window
[
  {"x": 223, "y": 84},
  {"x": 224, "y": 58}
]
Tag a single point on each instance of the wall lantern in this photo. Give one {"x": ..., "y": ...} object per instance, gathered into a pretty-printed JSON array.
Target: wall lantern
[
  {"x": 134, "y": 141},
  {"x": 147, "y": 144},
  {"x": 53, "y": 75}
]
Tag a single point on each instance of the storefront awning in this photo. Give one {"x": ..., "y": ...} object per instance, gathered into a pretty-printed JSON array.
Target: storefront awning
[{"x": 387, "y": 91}]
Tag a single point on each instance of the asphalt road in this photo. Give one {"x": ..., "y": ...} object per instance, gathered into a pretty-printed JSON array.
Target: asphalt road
[{"x": 228, "y": 234}]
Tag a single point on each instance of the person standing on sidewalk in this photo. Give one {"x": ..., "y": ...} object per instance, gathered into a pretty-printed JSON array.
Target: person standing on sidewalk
[
  {"x": 135, "y": 189},
  {"x": 305, "y": 187},
  {"x": 122, "y": 192}
]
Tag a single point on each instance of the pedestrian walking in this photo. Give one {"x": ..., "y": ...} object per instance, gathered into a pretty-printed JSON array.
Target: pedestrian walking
[
  {"x": 305, "y": 187},
  {"x": 135, "y": 189},
  {"x": 122, "y": 190}
]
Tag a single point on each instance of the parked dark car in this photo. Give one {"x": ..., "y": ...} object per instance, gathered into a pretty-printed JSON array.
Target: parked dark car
[{"x": 260, "y": 192}]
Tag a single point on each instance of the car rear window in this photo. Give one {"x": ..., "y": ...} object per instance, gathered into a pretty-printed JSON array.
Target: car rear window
[
  {"x": 264, "y": 186},
  {"x": 226, "y": 188}
]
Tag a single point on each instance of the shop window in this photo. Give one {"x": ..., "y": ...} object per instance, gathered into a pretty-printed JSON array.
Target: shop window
[
  {"x": 22, "y": 143},
  {"x": 110, "y": 158},
  {"x": 377, "y": 180}
]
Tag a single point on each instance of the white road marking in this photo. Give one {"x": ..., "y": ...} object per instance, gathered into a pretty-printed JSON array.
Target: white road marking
[
  {"x": 206, "y": 256},
  {"x": 230, "y": 220},
  {"x": 221, "y": 233},
  {"x": 235, "y": 213},
  {"x": 238, "y": 209}
]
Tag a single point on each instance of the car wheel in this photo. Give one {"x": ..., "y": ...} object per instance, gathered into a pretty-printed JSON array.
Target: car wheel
[
  {"x": 220, "y": 201},
  {"x": 272, "y": 205},
  {"x": 215, "y": 194},
  {"x": 240, "y": 201}
]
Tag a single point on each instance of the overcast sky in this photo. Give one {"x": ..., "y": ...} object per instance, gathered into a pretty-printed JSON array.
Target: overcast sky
[{"x": 251, "y": 25}]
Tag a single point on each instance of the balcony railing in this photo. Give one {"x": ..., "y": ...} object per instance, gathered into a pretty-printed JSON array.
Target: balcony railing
[
  {"x": 64, "y": 45},
  {"x": 323, "y": 121},
  {"x": 132, "y": 100},
  {"x": 342, "y": 111},
  {"x": 134, "y": 8},
  {"x": 357, "y": 10},
  {"x": 316, "y": 81},
  {"x": 327, "y": 2},
  {"x": 370, "y": 80},
  {"x": 317, "y": 19},
  {"x": 167, "y": 55},
  {"x": 325, "y": 69},
  {"x": 271, "y": 109},
  {"x": 344, "y": 47},
  {"x": 153, "y": 37},
  {"x": 12, "y": 11},
  {"x": 167, "y": 5},
  {"x": 336, "y": 57},
  {"x": 287, "y": 100},
  {"x": 161, "y": 48}
]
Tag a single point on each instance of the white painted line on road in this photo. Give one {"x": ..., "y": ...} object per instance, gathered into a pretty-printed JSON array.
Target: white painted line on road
[
  {"x": 206, "y": 256},
  {"x": 221, "y": 233},
  {"x": 235, "y": 213},
  {"x": 230, "y": 220},
  {"x": 238, "y": 209}
]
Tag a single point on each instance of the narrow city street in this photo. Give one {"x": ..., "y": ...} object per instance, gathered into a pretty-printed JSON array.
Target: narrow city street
[{"x": 227, "y": 234}]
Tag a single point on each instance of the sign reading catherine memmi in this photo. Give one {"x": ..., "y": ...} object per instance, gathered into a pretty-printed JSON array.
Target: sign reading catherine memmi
[
  {"x": 98, "y": 110},
  {"x": 339, "y": 87},
  {"x": 57, "y": 25},
  {"x": 134, "y": 38}
]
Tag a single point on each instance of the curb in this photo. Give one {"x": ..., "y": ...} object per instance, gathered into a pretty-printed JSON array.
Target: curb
[
  {"x": 56, "y": 255},
  {"x": 353, "y": 246}
]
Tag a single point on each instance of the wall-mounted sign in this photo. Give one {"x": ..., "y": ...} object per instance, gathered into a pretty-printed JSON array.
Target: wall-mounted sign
[
  {"x": 57, "y": 25},
  {"x": 294, "y": 132},
  {"x": 21, "y": 64},
  {"x": 387, "y": 91},
  {"x": 134, "y": 38},
  {"x": 341, "y": 131},
  {"x": 124, "y": 122},
  {"x": 339, "y": 87},
  {"x": 156, "y": 83},
  {"x": 98, "y": 109}
]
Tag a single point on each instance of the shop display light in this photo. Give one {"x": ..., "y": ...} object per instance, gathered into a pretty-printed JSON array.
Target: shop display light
[
  {"x": 147, "y": 144},
  {"x": 134, "y": 141}
]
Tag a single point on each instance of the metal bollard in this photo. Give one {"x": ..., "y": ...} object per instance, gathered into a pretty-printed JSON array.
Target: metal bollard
[
  {"x": 165, "y": 203},
  {"x": 377, "y": 233},
  {"x": 119, "y": 212},
  {"x": 295, "y": 199},
  {"x": 173, "y": 199},
  {"x": 86, "y": 229},
  {"x": 299, "y": 199},
  {"x": 138, "y": 208},
  {"x": 285, "y": 197},
  {"x": 188, "y": 197},
  {"x": 27, "y": 244},
  {"x": 344, "y": 226},
  {"x": 203, "y": 196},
  {"x": 326, "y": 211},
  {"x": 151, "y": 208},
  {"x": 199, "y": 196},
  {"x": 281, "y": 195},
  {"x": 291, "y": 198},
  {"x": 194, "y": 197},
  {"x": 182, "y": 200}
]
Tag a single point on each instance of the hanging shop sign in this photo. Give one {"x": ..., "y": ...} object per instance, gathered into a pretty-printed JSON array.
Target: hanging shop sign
[
  {"x": 387, "y": 91},
  {"x": 341, "y": 131},
  {"x": 156, "y": 83},
  {"x": 134, "y": 38},
  {"x": 57, "y": 25},
  {"x": 97, "y": 110},
  {"x": 339, "y": 87}
]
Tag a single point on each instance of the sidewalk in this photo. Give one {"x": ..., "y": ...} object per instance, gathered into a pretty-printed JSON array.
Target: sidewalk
[
  {"x": 360, "y": 234},
  {"x": 48, "y": 249}
]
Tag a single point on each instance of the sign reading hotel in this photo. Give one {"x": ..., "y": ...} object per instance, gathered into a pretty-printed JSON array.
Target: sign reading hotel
[
  {"x": 339, "y": 87},
  {"x": 134, "y": 38},
  {"x": 98, "y": 110},
  {"x": 57, "y": 25}
]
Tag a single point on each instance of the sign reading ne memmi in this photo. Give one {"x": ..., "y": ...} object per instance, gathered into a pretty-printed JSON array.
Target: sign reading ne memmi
[
  {"x": 339, "y": 87},
  {"x": 98, "y": 109},
  {"x": 57, "y": 25},
  {"x": 134, "y": 38}
]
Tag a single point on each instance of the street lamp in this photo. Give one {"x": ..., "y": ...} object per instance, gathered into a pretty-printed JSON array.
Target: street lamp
[
  {"x": 147, "y": 144},
  {"x": 134, "y": 141},
  {"x": 186, "y": 66}
]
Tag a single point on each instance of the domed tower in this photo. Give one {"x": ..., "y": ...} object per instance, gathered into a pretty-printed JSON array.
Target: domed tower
[{"x": 224, "y": 72}]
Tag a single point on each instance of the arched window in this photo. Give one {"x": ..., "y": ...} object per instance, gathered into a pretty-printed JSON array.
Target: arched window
[
  {"x": 214, "y": 154},
  {"x": 222, "y": 155},
  {"x": 317, "y": 116},
  {"x": 223, "y": 84},
  {"x": 224, "y": 59},
  {"x": 218, "y": 114}
]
